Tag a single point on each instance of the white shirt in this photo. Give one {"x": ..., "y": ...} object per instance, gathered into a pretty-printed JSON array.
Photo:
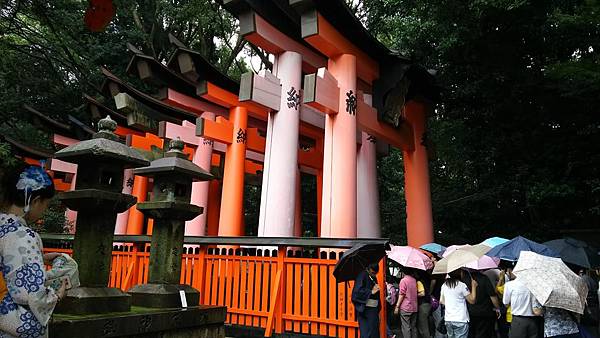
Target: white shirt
[
  {"x": 455, "y": 303},
  {"x": 519, "y": 297}
]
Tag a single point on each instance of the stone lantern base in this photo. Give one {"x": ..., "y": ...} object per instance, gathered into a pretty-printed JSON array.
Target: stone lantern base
[
  {"x": 162, "y": 295},
  {"x": 92, "y": 300},
  {"x": 140, "y": 322}
]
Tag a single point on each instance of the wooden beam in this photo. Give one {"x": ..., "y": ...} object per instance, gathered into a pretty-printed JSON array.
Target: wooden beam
[
  {"x": 321, "y": 91},
  {"x": 263, "y": 88},
  {"x": 366, "y": 120},
  {"x": 262, "y": 34},
  {"x": 139, "y": 115},
  {"x": 196, "y": 105},
  {"x": 320, "y": 34}
]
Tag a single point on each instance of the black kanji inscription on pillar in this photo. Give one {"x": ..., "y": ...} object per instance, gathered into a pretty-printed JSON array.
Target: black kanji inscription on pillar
[
  {"x": 241, "y": 136},
  {"x": 208, "y": 142},
  {"x": 293, "y": 99},
  {"x": 371, "y": 139},
  {"x": 350, "y": 103},
  {"x": 129, "y": 182}
]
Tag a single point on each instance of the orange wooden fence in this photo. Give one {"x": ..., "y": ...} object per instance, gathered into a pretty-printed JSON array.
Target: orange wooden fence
[{"x": 276, "y": 290}]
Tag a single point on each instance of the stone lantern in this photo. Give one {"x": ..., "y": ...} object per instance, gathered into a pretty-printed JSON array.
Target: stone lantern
[
  {"x": 98, "y": 199},
  {"x": 169, "y": 207}
]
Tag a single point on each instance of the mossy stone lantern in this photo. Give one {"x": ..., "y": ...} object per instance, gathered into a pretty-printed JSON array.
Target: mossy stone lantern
[
  {"x": 97, "y": 198},
  {"x": 169, "y": 207}
]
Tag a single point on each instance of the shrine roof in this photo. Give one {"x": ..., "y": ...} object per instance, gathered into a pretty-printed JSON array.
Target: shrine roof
[
  {"x": 169, "y": 110},
  {"x": 73, "y": 127},
  {"x": 338, "y": 14},
  {"x": 206, "y": 71},
  {"x": 26, "y": 150},
  {"x": 159, "y": 74},
  {"x": 102, "y": 110}
]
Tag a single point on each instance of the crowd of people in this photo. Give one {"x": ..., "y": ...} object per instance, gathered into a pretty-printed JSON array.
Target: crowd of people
[{"x": 468, "y": 303}]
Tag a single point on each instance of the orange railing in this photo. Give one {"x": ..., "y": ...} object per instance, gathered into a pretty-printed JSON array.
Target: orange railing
[{"x": 277, "y": 290}]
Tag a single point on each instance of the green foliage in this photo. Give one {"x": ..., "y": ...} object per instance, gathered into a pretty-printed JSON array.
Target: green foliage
[
  {"x": 54, "y": 220},
  {"x": 516, "y": 134}
]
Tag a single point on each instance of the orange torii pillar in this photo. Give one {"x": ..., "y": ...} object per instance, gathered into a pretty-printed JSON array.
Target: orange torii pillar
[
  {"x": 338, "y": 218},
  {"x": 135, "y": 222},
  {"x": 236, "y": 135},
  {"x": 367, "y": 215},
  {"x": 419, "y": 219},
  {"x": 202, "y": 157}
]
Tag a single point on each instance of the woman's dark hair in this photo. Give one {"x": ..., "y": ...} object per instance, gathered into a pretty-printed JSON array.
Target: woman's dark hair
[
  {"x": 453, "y": 279},
  {"x": 374, "y": 267},
  {"x": 11, "y": 195}
]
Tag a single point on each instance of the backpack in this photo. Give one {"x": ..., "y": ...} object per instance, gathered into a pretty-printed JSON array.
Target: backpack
[{"x": 391, "y": 295}]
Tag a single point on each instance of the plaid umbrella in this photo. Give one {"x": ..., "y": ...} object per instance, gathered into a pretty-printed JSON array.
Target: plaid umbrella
[{"x": 551, "y": 281}]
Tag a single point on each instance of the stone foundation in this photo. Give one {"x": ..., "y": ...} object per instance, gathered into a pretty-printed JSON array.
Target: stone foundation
[{"x": 200, "y": 321}]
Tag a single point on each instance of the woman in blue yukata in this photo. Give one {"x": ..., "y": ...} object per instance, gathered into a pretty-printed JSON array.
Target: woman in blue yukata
[{"x": 26, "y": 303}]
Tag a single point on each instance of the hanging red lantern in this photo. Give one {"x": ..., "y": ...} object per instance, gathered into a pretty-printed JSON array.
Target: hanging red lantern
[{"x": 99, "y": 14}]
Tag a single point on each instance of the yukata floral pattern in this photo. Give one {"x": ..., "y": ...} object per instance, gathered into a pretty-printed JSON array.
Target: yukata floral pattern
[{"x": 26, "y": 304}]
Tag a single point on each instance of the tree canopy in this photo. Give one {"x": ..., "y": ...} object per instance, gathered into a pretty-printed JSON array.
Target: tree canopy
[
  {"x": 514, "y": 140},
  {"x": 516, "y": 137}
]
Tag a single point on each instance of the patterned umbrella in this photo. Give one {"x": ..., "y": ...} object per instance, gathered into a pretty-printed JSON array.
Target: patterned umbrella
[
  {"x": 410, "y": 257},
  {"x": 551, "y": 281}
]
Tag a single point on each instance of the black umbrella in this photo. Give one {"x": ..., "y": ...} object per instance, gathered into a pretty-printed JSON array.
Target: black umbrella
[
  {"x": 357, "y": 259},
  {"x": 575, "y": 252}
]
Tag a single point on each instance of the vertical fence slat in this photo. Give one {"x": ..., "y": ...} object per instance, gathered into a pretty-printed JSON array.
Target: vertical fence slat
[
  {"x": 323, "y": 295},
  {"x": 332, "y": 300},
  {"x": 264, "y": 307},
  {"x": 250, "y": 289},
  {"x": 289, "y": 296},
  {"x": 243, "y": 288},
  {"x": 297, "y": 294},
  {"x": 305, "y": 296},
  {"x": 236, "y": 289},
  {"x": 222, "y": 285},
  {"x": 256, "y": 304},
  {"x": 229, "y": 285},
  {"x": 314, "y": 297}
]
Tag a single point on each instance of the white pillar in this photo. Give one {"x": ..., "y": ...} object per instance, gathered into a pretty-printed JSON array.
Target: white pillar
[
  {"x": 278, "y": 199},
  {"x": 202, "y": 158}
]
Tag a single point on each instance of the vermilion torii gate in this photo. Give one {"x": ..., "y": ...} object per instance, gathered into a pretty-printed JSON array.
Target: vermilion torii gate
[{"x": 324, "y": 36}]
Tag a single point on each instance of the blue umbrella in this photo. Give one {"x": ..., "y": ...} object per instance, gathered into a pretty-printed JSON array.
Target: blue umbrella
[
  {"x": 511, "y": 250},
  {"x": 434, "y": 248},
  {"x": 493, "y": 242}
]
